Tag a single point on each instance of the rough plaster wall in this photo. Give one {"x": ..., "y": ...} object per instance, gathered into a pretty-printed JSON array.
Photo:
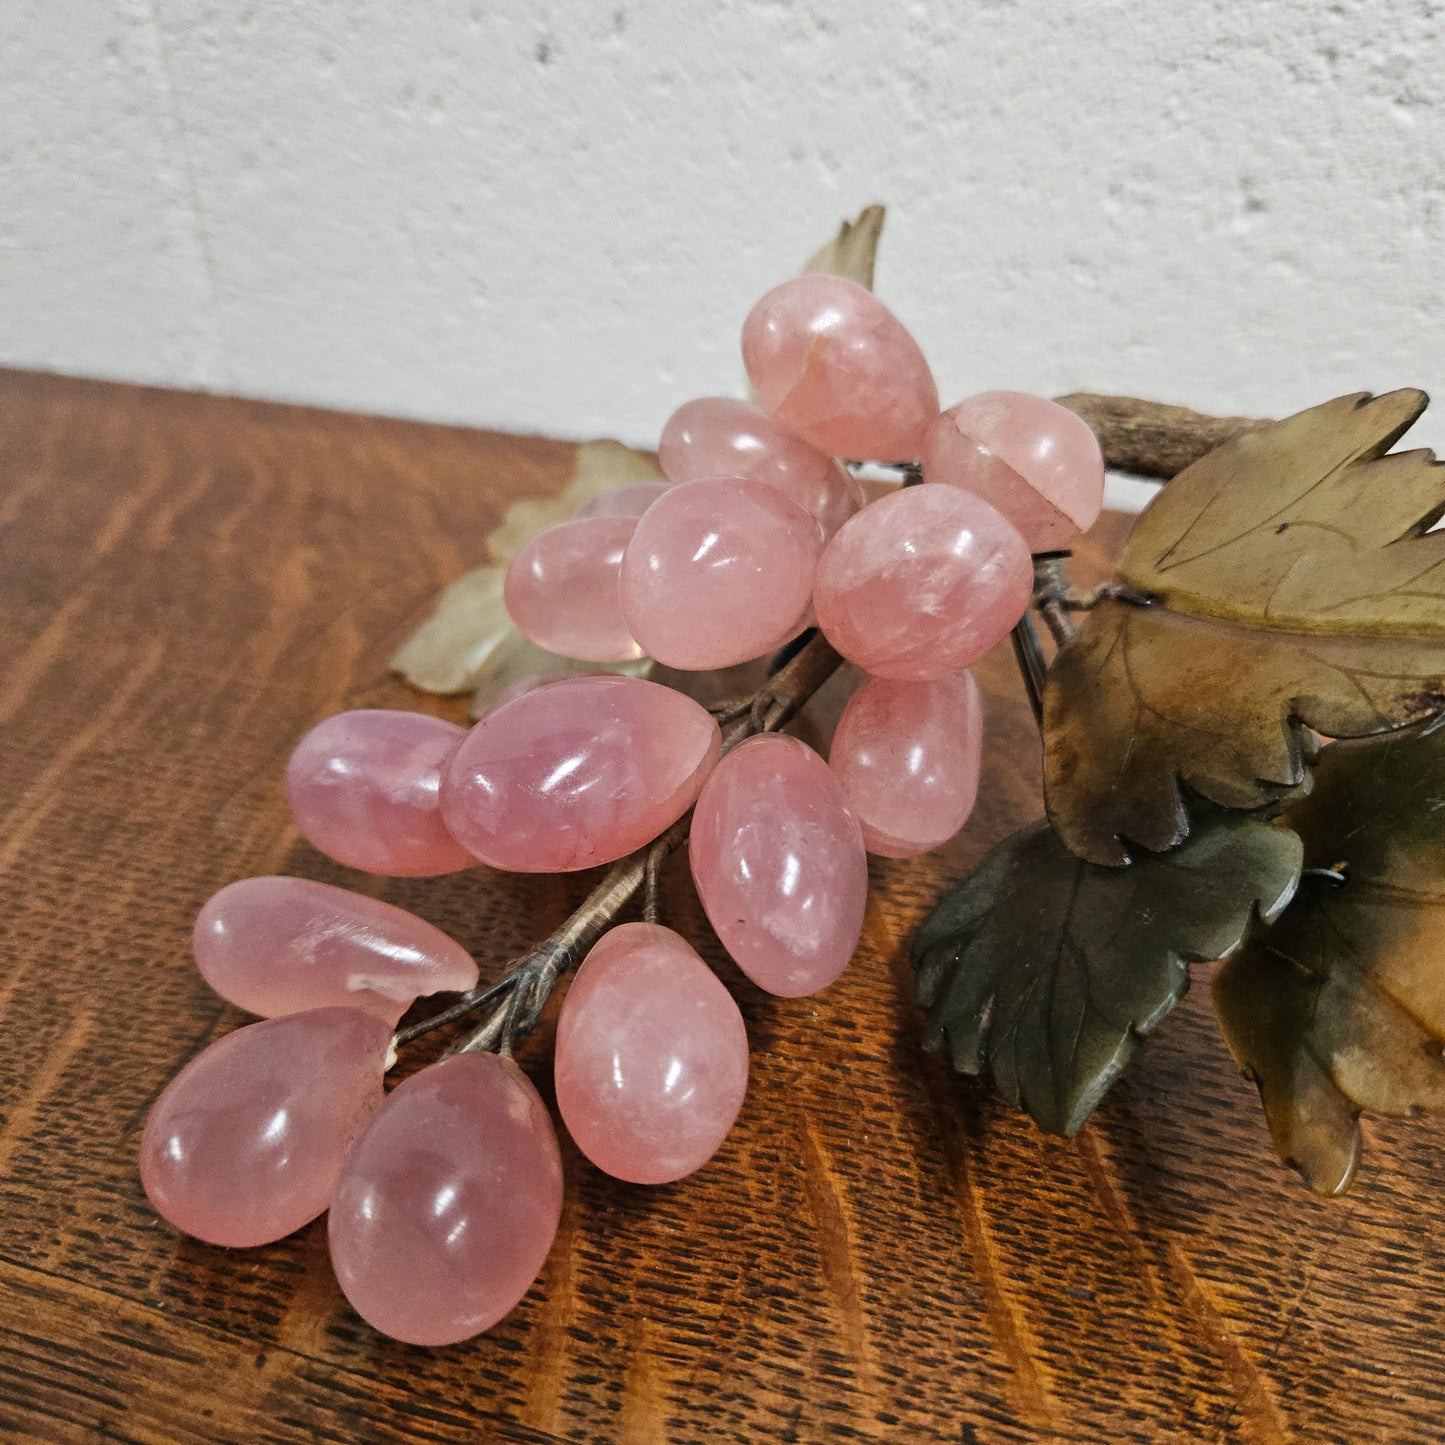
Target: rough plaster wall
[{"x": 554, "y": 215}]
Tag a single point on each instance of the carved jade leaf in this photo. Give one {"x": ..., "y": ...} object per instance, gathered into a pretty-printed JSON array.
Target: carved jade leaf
[
  {"x": 1340, "y": 1006},
  {"x": 1292, "y": 588},
  {"x": 853, "y": 251},
  {"x": 469, "y": 640},
  {"x": 1048, "y": 971}
]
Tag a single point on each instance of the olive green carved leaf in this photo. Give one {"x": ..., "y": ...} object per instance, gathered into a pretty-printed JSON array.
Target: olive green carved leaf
[
  {"x": 854, "y": 250},
  {"x": 469, "y": 640},
  {"x": 1340, "y": 1006},
  {"x": 1048, "y": 971},
  {"x": 1293, "y": 588}
]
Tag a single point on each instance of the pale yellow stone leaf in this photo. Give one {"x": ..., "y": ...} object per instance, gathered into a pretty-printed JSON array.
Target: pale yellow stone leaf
[
  {"x": 448, "y": 651},
  {"x": 853, "y": 250},
  {"x": 515, "y": 657},
  {"x": 600, "y": 466}
]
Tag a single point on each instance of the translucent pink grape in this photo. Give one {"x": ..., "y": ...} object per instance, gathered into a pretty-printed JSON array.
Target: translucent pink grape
[
  {"x": 922, "y": 583},
  {"x": 364, "y": 788},
  {"x": 908, "y": 756},
  {"x": 561, "y": 589},
  {"x": 719, "y": 572},
  {"x": 1034, "y": 460},
  {"x": 778, "y": 860},
  {"x": 577, "y": 773},
  {"x": 448, "y": 1203},
  {"x": 834, "y": 365},
  {"x": 651, "y": 1056},
  {"x": 244, "y": 1144},
  {"x": 631, "y": 501},
  {"x": 718, "y": 437},
  {"x": 280, "y": 945}
]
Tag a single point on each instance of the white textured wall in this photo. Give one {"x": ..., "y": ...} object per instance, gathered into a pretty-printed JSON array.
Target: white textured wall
[{"x": 554, "y": 215}]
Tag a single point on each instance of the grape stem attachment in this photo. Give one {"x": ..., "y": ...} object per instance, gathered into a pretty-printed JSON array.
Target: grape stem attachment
[
  {"x": 516, "y": 1000},
  {"x": 1032, "y": 667},
  {"x": 1144, "y": 437}
]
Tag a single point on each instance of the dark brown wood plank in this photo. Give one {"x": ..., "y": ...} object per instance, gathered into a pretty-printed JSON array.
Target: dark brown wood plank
[{"x": 881, "y": 1251}]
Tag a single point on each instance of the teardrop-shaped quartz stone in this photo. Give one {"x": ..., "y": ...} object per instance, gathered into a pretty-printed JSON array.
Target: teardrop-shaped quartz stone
[
  {"x": 629, "y": 501},
  {"x": 244, "y": 1144},
  {"x": 922, "y": 583},
  {"x": 364, "y": 789},
  {"x": 578, "y": 773},
  {"x": 448, "y": 1203},
  {"x": 720, "y": 437},
  {"x": 719, "y": 572},
  {"x": 778, "y": 860},
  {"x": 908, "y": 756},
  {"x": 281, "y": 945},
  {"x": 837, "y": 368},
  {"x": 561, "y": 589},
  {"x": 651, "y": 1056},
  {"x": 1034, "y": 460}
]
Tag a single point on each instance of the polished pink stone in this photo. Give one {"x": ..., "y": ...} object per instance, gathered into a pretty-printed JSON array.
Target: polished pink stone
[
  {"x": 244, "y": 1144},
  {"x": 908, "y": 756},
  {"x": 630, "y": 501},
  {"x": 719, "y": 572},
  {"x": 651, "y": 1056},
  {"x": 448, "y": 1203},
  {"x": 561, "y": 589},
  {"x": 718, "y": 437},
  {"x": 364, "y": 787},
  {"x": 834, "y": 365},
  {"x": 921, "y": 583},
  {"x": 778, "y": 860},
  {"x": 578, "y": 773},
  {"x": 280, "y": 945},
  {"x": 1034, "y": 460}
]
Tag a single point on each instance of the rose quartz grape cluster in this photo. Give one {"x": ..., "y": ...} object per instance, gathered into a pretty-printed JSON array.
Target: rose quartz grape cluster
[{"x": 444, "y": 1195}]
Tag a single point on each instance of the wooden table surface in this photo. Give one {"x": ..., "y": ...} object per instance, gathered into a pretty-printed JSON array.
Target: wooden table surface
[{"x": 881, "y": 1251}]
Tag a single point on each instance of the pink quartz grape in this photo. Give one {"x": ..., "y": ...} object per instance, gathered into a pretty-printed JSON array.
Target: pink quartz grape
[
  {"x": 835, "y": 367},
  {"x": 244, "y": 1144},
  {"x": 577, "y": 773},
  {"x": 651, "y": 1057},
  {"x": 719, "y": 572},
  {"x": 449, "y": 1202},
  {"x": 908, "y": 756},
  {"x": 561, "y": 589},
  {"x": 364, "y": 790},
  {"x": 718, "y": 437},
  {"x": 1034, "y": 460},
  {"x": 629, "y": 501},
  {"x": 922, "y": 583},
  {"x": 778, "y": 860},
  {"x": 281, "y": 945}
]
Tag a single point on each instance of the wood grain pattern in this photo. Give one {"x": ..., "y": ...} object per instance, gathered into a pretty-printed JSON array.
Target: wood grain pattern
[{"x": 881, "y": 1252}]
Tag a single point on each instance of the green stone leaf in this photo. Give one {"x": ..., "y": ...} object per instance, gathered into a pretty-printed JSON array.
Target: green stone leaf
[
  {"x": 1295, "y": 585},
  {"x": 1047, "y": 971},
  {"x": 1340, "y": 1006}
]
